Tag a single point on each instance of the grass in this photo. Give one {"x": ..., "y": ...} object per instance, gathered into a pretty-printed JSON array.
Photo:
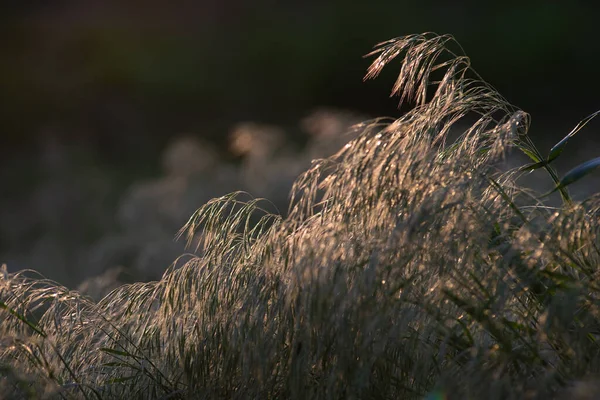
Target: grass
[{"x": 409, "y": 266}]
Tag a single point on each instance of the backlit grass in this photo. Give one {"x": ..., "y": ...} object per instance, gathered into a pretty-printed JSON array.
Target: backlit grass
[{"x": 409, "y": 265}]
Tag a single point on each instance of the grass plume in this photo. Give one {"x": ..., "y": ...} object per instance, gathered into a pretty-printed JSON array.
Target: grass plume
[{"x": 408, "y": 263}]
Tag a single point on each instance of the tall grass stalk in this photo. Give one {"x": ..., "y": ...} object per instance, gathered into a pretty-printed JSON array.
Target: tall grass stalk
[{"x": 408, "y": 264}]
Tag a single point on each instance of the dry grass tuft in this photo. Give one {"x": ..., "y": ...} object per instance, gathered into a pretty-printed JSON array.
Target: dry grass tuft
[{"x": 408, "y": 263}]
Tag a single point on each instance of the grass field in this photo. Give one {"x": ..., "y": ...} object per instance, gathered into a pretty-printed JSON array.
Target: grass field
[{"x": 411, "y": 265}]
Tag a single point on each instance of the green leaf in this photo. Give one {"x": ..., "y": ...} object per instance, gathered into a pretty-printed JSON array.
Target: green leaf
[
  {"x": 559, "y": 147},
  {"x": 529, "y": 153},
  {"x": 576, "y": 174},
  {"x": 116, "y": 352},
  {"x": 533, "y": 166},
  {"x": 121, "y": 380},
  {"x": 119, "y": 364},
  {"x": 507, "y": 198},
  {"x": 22, "y": 318},
  {"x": 447, "y": 151}
]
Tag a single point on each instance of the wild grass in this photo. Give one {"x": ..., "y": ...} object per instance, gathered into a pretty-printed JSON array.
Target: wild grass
[{"x": 410, "y": 265}]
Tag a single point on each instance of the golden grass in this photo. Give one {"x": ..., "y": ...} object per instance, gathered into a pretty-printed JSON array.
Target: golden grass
[{"x": 407, "y": 264}]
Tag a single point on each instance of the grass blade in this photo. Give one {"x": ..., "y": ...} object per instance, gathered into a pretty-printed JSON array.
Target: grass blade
[
  {"x": 559, "y": 147},
  {"x": 576, "y": 174},
  {"x": 533, "y": 166}
]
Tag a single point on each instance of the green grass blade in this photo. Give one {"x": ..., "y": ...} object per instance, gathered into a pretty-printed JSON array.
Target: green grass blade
[
  {"x": 529, "y": 152},
  {"x": 507, "y": 198},
  {"x": 533, "y": 166},
  {"x": 22, "y": 318},
  {"x": 559, "y": 147},
  {"x": 116, "y": 352},
  {"x": 576, "y": 174}
]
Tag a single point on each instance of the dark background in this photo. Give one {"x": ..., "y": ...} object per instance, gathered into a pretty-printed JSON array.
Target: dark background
[{"x": 93, "y": 92}]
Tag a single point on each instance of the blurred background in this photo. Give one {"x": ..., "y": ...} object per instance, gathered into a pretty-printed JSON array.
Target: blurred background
[{"x": 118, "y": 118}]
